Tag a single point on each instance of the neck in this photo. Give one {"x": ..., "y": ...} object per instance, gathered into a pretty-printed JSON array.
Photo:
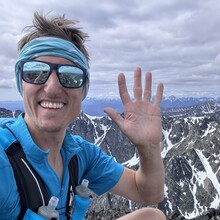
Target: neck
[
  {"x": 52, "y": 141},
  {"x": 48, "y": 140},
  {"x": 56, "y": 162}
]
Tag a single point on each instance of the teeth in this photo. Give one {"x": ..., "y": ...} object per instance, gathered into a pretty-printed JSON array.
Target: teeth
[{"x": 52, "y": 105}]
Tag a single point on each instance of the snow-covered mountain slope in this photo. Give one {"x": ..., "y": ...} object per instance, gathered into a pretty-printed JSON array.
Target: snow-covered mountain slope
[
  {"x": 191, "y": 155},
  {"x": 190, "y": 151}
]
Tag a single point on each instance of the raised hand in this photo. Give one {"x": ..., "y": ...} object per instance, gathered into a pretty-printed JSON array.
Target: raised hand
[{"x": 142, "y": 119}]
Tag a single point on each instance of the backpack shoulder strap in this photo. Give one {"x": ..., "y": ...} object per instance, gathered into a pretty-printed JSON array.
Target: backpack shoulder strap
[
  {"x": 31, "y": 187},
  {"x": 73, "y": 170}
]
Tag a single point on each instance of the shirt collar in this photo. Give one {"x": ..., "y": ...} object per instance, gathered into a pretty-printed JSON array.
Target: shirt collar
[{"x": 69, "y": 148}]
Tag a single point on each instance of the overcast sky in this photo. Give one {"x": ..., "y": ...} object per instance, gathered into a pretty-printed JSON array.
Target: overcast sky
[{"x": 177, "y": 40}]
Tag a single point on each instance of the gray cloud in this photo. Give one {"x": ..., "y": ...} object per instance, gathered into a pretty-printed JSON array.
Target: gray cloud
[
  {"x": 7, "y": 83},
  {"x": 177, "y": 40}
]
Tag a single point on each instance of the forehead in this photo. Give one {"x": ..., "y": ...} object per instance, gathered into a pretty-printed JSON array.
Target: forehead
[{"x": 56, "y": 60}]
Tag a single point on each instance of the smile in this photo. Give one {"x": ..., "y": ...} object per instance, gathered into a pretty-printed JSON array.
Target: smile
[{"x": 52, "y": 105}]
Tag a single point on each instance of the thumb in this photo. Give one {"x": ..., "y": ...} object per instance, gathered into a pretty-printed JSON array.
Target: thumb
[{"x": 114, "y": 115}]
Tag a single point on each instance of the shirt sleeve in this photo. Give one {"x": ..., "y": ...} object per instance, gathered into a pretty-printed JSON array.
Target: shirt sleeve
[{"x": 102, "y": 170}]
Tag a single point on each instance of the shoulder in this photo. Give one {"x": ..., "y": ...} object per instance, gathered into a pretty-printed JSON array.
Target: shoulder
[
  {"x": 96, "y": 166},
  {"x": 6, "y": 137},
  {"x": 6, "y": 140},
  {"x": 8, "y": 187},
  {"x": 78, "y": 143},
  {"x": 87, "y": 147},
  {"x": 8, "y": 190},
  {"x": 6, "y": 121}
]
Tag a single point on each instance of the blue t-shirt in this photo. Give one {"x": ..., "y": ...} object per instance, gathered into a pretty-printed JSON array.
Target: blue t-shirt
[{"x": 102, "y": 171}]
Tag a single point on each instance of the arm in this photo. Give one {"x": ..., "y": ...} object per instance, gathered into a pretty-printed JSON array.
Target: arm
[{"x": 142, "y": 125}]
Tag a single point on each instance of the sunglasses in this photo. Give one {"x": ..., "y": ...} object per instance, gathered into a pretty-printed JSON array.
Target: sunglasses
[{"x": 38, "y": 72}]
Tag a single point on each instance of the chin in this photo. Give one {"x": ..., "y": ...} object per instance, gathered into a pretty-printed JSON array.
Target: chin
[{"x": 51, "y": 128}]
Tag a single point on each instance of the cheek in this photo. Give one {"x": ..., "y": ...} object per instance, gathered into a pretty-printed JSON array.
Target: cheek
[
  {"x": 28, "y": 94},
  {"x": 26, "y": 90},
  {"x": 77, "y": 94},
  {"x": 76, "y": 99},
  {"x": 78, "y": 102}
]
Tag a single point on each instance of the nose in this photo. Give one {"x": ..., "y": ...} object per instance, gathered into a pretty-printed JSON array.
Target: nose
[{"x": 52, "y": 84}]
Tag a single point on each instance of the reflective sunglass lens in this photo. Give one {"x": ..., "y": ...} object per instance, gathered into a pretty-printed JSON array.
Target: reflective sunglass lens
[
  {"x": 35, "y": 72},
  {"x": 71, "y": 77}
]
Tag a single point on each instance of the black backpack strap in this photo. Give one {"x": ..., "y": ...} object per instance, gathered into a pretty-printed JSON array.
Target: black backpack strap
[
  {"x": 31, "y": 187},
  {"x": 73, "y": 170}
]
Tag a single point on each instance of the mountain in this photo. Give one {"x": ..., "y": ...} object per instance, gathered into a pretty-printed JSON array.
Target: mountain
[
  {"x": 95, "y": 107},
  {"x": 12, "y": 105},
  {"x": 206, "y": 108},
  {"x": 191, "y": 154},
  {"x": 172, "y": 102}
]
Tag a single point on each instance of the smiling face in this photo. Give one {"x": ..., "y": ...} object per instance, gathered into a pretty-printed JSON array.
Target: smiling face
[{"x": 51, "y": 107}]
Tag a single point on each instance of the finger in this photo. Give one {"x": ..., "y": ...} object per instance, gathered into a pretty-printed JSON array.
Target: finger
[
  {"x": 159, "y": 94},
  {"x": 114, "y": 115},
  {"x": 137, "y": 84},
  {"x": 148, "y": 87},
  {"x": 123, "y": 91}
]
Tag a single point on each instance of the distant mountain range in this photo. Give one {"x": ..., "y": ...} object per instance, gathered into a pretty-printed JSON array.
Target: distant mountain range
[{"x": 95, "y": 107}]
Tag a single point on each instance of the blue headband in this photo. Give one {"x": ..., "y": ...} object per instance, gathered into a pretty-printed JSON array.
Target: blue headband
[{"x": 51, "y": 46}]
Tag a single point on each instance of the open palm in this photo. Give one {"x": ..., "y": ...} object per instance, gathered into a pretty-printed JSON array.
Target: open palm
[{"x": 142, "y": 119}]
